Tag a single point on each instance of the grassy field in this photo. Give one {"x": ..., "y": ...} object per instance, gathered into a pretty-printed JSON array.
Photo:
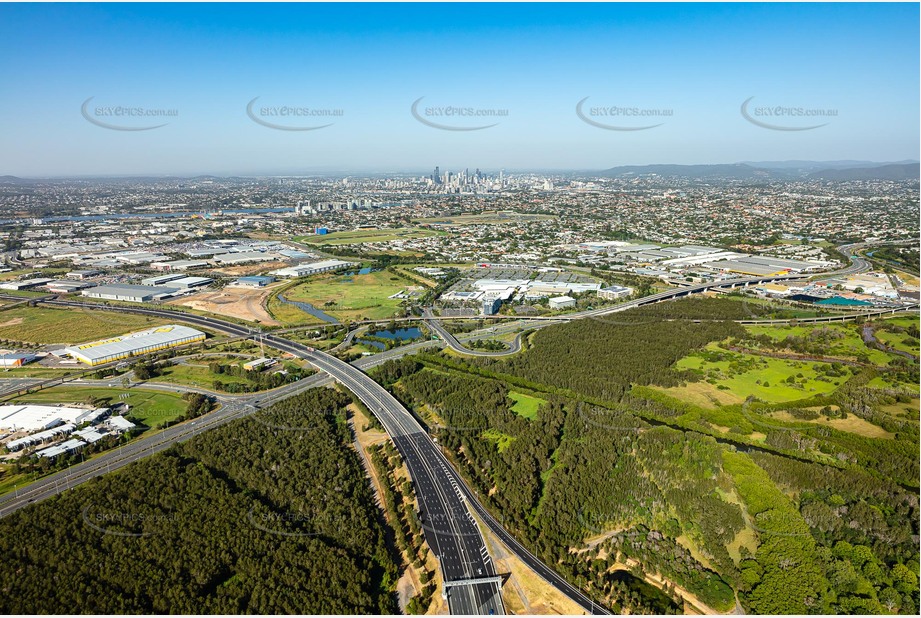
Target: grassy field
[
  {"x": 898, "y": 341},
  {"x": 848, "y": 344},
  {"x": 526, "y": 405},
  {"x": 357, "y": 237},
  {"x": 350, "y": 297},
  {"x": 195, "y": 375},
  {"x": 151, "y": 407},
  {"x": 45, "y": 325},
  {"x": 765, "y": 378},
  {"x": 501, "y": 440}
]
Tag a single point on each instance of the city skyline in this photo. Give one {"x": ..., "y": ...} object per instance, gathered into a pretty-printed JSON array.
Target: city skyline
[{"x": 394, "y": 88}]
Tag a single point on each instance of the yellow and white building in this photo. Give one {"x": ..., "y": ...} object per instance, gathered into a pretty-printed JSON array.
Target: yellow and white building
[{"x": 134, "y": 344}]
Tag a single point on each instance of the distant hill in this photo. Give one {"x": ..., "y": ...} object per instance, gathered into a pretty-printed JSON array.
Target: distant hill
[
  {"x": 894, "y": 171},
  {"x": 727, "y": 170}
]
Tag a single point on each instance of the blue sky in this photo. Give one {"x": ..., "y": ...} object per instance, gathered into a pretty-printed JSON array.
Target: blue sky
[{"x": 696, "y": 62}]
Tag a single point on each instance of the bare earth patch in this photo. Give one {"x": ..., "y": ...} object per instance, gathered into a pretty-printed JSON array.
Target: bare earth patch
[
  {"x": 13, "y": 322},
  {"x": 237, "y": 302}
]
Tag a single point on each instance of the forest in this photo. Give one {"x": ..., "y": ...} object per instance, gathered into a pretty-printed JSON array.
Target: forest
[
  {"x": 246, "y": 518},
  {"x": 613, "y": 478}
]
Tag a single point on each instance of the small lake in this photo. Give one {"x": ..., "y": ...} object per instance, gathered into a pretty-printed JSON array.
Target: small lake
[{"x": 402, "y": 334}]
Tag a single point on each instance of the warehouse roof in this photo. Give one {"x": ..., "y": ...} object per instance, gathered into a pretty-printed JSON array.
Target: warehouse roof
[
  {"x": 126, "y": 344},
  {"x": 126, "y": 289}
]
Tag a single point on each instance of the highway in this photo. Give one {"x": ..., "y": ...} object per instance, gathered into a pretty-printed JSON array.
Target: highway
[{"x": 472, "y": 586}]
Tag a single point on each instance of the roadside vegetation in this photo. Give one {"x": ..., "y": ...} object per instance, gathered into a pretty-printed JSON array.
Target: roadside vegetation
[
  {"x": 213, "y": 526},
  {"x": 787, "y": 482}
]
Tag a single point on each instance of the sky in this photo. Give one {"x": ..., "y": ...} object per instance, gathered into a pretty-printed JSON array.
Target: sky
[{"x": 500, "y": 86}]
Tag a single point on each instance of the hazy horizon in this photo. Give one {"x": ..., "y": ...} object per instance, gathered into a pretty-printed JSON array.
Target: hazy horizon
[{"x": 402, "y": 88}]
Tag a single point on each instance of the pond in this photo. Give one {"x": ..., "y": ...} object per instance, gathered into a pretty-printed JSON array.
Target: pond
[{"x": 397, "y": 334}]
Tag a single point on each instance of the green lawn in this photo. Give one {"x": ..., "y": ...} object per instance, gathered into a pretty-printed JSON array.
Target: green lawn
[
  {"x": 151, "y": 407},
  {"x": 357, "y": 237},
  {"x": 46, "y": 325},
  {"x": 350, "y": 297},
  {"x": 526, "y": 405}
]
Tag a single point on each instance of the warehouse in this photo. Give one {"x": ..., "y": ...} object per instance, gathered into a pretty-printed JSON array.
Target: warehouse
[
  {"x": 188, "y": 282},
  {"x": 254, "y": 282},
  {"x": 562, "y": 302},
  {"x": 129, "y": 293},
  {"x": 313, "y": 268},
  {"x": 134, "y": 344},
  {"x": 178, "y": 265},
  {"x": 67, "y": 287},
  {"x": 24, "y": 285},
  {"x": 159, "y": 279}
]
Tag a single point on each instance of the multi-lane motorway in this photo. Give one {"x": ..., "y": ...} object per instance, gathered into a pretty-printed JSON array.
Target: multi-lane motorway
[{"x": 446, "y": 502}]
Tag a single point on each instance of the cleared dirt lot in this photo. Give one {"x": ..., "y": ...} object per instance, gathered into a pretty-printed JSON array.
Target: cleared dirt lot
[{"x": 237, "y": 302}]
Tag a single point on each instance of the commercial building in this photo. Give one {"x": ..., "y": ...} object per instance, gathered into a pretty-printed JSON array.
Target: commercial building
[
  {"x": 562, "y": 302},
  {"x": 16, "y": 359},
  {"x": 129, "y": 293},
  {"x": 312, "y": 268},
  {"x": 259, "y": 363},
  {"x": 64, "y": 448},
  {"x": 134, "y": 344},
  {"x": 614, "y": 292}
]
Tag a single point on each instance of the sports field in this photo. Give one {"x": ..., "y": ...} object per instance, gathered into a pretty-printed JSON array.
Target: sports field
[{"x": 357, "y": 237}]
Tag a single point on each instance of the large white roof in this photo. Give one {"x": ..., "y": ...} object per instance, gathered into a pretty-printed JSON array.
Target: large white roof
[{"x": 126, "y": 344}]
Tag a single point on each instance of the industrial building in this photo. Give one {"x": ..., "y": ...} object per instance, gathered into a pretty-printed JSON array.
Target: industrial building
[
  {"x": 185, "y": 283},
  {"x": 24, "y": 285},
  {"x": 80, "y": 275},
  {"x": 312, "y": 268},
  {"x": 67, "y": 287},
  {"x": 160, "y": 279},
  {"x": 129, "y": 293},
  {"x": 562, "y": 302},
  {"x": 19, "y": 417},
  {"x": 134, "y": 344},
  {"x": 254, "y": 282},
  {"x": 175, "y": 265}
]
